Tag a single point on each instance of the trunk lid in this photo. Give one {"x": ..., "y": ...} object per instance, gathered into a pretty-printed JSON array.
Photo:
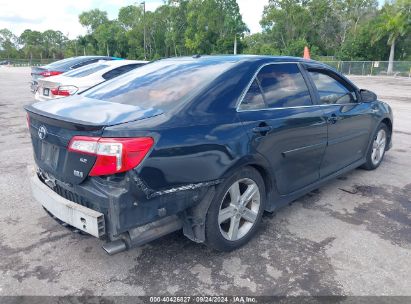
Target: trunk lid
[
  {"x": 35, "y": 72},
  {"x": 44, "y": 88},
  {"x": 54, "y": 123}
]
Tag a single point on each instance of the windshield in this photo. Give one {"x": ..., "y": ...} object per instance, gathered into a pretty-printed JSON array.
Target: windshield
[
  {"x": 162, "y": 84},
  {"x": 87, "y": 70}
]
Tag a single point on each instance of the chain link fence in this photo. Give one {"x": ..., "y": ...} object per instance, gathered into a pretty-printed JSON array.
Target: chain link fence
[
  {"x": 371, "y": 68},
  {"x": 25, "y": 62}
]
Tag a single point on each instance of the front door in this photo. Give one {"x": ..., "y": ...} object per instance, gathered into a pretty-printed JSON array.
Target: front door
[
  {"x": 284, "y": 126},
  {"x": 349, "y": 121}
]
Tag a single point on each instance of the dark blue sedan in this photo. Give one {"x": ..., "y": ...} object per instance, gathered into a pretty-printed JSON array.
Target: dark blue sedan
[{"x": 206, "y": 144}]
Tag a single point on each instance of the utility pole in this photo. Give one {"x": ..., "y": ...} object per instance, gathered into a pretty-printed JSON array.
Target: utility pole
[
  {"x": 235, "y": 45},
  {"x": 144, "y": 23}
]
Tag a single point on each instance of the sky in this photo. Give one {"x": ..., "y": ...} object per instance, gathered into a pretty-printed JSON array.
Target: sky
[{"x": 41, "y": 15}]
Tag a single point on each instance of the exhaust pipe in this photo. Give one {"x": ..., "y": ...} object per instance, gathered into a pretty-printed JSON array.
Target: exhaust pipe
[
  {"x": 144, "y": 234},
  {"x": 115, "y": 247}
]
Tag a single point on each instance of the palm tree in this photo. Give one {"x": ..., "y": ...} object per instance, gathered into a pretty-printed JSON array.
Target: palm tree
[{"x": 395, "y": 22}]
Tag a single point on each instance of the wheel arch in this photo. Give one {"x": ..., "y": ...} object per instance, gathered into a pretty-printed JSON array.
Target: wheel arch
[
  {"x": 388, "y": 122},
  {"x": 262, "y": 166},
  {"x": 194, "y": 217}
]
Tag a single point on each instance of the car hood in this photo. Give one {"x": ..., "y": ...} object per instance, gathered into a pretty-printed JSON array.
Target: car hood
[{"x": 92, "y": 112}]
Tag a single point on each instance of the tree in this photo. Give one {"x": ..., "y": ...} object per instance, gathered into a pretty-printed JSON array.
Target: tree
[
  {"x": 213, "y": 25},
  {"x": 87, "y": 44},
  {"x": 286, "y": 21},
  {"x": 178, "y": 19},
  {"x": 53, "y": 43},
  {"x": 395, "y": 21},
  {"x": 349, "y": 14},
  {"x": 32, "y": 42},
  {"x": 130, "y": 16},
  {"x": 360, "y": 45},
  {"x": 258, "y": 44},
  {"x": 344, "y": 29},
  {"x": 8, "y": 44},
  {"x": 93, "y": 19}
]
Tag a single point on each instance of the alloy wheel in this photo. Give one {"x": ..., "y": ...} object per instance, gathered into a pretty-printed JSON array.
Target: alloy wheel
[
  {"x": 239, "y": 209},
  {"x": 378, "y": 147}
]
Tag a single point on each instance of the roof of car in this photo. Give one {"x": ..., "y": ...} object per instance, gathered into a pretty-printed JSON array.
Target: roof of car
[
  {"x": 68, "y": 62},
  {"x": 114, "y": 63},
  {"x": 239, "y": 58},
  {"x": 94, "y": 57}
]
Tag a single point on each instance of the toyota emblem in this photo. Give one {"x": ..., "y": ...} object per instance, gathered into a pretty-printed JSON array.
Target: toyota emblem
[{"x": 42, "y": 132}]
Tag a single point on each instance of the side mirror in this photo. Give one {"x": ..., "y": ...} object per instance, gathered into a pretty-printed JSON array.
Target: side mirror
[{"x": 367, "y": 96}]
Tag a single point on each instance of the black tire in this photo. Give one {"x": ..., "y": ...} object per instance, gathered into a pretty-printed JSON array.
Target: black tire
[
  {"x": 214, "y": 235},
  {"x": 370, "y": 164}
]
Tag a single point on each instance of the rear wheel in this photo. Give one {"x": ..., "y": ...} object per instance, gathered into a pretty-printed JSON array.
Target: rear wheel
[
  {"x": 376, "y": 152},
  {"x": 236, "y": 210}
]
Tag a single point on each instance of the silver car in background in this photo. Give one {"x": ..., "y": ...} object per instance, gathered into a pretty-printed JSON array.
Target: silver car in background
[
  {"x": 61, "y": 66},
  {"x": 79, "y": 80}
]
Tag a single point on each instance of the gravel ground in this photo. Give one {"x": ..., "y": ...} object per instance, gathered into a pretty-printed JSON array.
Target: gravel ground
[{"x": 350, "y": 237}]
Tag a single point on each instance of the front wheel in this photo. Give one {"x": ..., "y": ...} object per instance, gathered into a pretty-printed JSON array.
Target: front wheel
[
  {"x": 236, "y": 210},
  {"x": 376, "y": 152}
]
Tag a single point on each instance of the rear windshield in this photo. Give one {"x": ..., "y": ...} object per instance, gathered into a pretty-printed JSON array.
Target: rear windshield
[
  {"x": 69, "y": 62},
  {"x": 85, "y": 71},
  {"x": 161, "y": 84},
  {"x": 61, "y": 62}
]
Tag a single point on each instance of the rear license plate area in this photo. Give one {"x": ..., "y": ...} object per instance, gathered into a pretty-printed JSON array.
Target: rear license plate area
[
  {"x": 49, "y": 154},
  {"x": 46, "y": 92}
]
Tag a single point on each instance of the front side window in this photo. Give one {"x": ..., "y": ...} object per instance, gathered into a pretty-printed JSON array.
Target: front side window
[{"x": 331, "y": 90}]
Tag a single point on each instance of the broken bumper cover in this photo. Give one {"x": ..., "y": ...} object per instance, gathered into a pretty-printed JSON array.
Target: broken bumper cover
[{"x": 80, "y": 217}]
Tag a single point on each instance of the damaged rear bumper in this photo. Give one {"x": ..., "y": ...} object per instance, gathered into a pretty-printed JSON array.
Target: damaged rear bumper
[
  {"x": 127, "y": 213},
  {"x": 75, "y": 215}
]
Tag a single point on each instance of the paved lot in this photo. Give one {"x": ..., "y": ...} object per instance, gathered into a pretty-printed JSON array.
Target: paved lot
[{"x": 350, "y": 237}]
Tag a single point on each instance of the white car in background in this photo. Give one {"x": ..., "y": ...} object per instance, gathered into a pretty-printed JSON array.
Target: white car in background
[{"x": 81, "y": 79}]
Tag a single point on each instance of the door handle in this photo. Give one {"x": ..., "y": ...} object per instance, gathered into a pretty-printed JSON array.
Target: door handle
[
  {"x": 332, "y": 119},
  {"x": 262, "y": 129}
]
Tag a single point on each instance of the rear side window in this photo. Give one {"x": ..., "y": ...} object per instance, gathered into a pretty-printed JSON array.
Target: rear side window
[
  {"x": 331, "y": 90},
  {"x": 253, "y": 99},
  {"x": 120, "y": 70},
  {"x": 163, "y": 84},
  {"x": 283, "y": 86},
  {"x": 277, "y": 86},
  {"x": 86, "y": 71}
]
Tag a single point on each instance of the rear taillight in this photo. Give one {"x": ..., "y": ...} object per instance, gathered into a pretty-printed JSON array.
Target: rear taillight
[
  {"x": 114, "y": 155},
  {"x": 64, "y": 90},
  {"x": 50, "y": 73}
]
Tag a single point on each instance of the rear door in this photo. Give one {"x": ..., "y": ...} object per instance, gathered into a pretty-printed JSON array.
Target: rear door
[
  {"x": 349, "y": 121},
  {"x": 284, "y": 125}
]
